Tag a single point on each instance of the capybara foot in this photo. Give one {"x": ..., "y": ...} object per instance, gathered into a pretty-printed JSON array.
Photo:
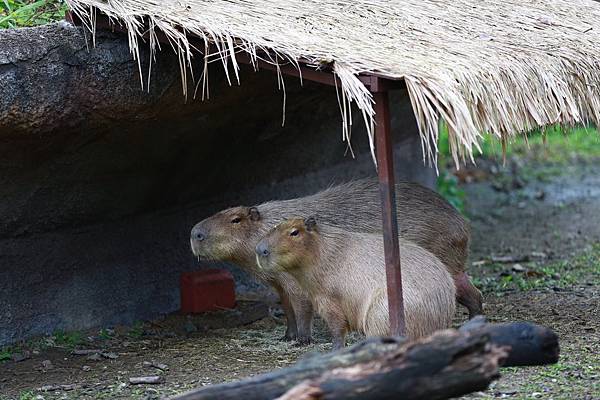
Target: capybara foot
[
  {"x": 468, "y": 295},
  {"x": 303, "y": 341},
  {"x": 288, "y": 337}
]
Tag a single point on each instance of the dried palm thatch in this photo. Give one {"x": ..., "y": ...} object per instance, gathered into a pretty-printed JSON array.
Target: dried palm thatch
[{"x": 497, "y": 66}]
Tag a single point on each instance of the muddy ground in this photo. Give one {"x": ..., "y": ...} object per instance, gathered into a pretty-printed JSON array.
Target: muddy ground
[{"x": 545, "y": 217}]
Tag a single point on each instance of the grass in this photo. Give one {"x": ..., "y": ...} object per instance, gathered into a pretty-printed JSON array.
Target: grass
[
  {"x": 577, "y": 374},
  {"x": 24, "y": 13},
  {"x": 6, "y": 354},
  {"x": 105, "y": 334},
  {"x": 546, "y": 154},
  {"x": 556, "y": 144},
  {"x": 136, "y": 331},
  {"x": 500, "y": 278},
  {"x": 70, "y": 340},
  {"x": 27, "y": 395}
]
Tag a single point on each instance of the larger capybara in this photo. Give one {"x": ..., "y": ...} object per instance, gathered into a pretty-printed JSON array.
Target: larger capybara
[
  {"x": 343, "y": 274},
  {"x": 424, "y": 218}
]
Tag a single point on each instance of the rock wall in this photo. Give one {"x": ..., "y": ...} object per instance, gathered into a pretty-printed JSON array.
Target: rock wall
[{"x": 100, "y": 181}]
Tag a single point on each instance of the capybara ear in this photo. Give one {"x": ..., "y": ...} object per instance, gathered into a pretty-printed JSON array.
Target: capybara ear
[
  {"x": 254, "y": 214},
  {"x": 310, "y": 223}
]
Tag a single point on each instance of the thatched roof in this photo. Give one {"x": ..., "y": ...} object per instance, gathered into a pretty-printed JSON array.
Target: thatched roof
[{"x": 497, "y": 66}]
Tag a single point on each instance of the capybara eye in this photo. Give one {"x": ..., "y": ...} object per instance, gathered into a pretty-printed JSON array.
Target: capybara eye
[
  {"x": 236, "y": 220},
  {"x": 294, "y": 232}
]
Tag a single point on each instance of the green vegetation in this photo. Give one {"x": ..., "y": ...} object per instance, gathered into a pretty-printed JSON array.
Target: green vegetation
[
  {"x": 557, "y": 275},
  {"x": 447, "y": 186},
  {"x": 5, "y": 353},
  {"x": 561, "y": 145},
  {"x": 105, "y": 334},
  {"x": 547, "y": 154},
  {"x": 68, "y": 339},
  {"x": 447, "y": 183},
  {"x": 22, "y": 13},
  {"x": 27, "y": 395},
  {"x": 556, "y": 144},
  {"x": 136, "y": 331}
]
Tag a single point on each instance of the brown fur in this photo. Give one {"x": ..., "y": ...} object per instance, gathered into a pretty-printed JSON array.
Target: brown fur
[
  {"x": 344, "y": 274},
  {"x": 424, "y": 217}
]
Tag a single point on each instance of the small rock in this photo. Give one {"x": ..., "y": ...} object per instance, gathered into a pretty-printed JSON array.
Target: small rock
[
  {"x": 53, "y": 388},
  {"x": 521, "y": 204},
  {"x": 48, "y": 388},
  {"x": 538, "y": 254},
  {"x": 18, "y": 357},
  {"x": 85, "y": 352},
  {"x": 47, "y": 364},
  {"x": 153, "y": 364},
  {"x": 86, "y": 368},
  {"x": 94, "y": 357},
  {"x": 151, "y": 380},
  {"x": 518, "y": 268},
  {"x": 556, "y": 277},
  {"x": 111, "y": 356},
  {"x": 540, "y": 195}
]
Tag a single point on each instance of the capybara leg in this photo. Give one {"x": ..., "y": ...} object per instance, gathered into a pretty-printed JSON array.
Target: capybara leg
[
  {"x": 468, "y": 295},
  {"x": 304, "y": 318},
  {"x": 337, "y": 326},
  {"x": 291, "y": 332}
]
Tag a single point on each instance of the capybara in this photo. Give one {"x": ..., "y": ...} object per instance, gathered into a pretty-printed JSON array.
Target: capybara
[
  {"x": 344, "y": 275},
  {"x": 424, "y": 218}
]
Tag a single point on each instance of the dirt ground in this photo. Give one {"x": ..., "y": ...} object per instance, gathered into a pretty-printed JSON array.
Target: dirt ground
[{"x": 543, "y": 220}]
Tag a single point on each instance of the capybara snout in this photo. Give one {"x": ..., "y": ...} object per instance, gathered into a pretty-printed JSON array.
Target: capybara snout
[{"x": 262, "y": 249}]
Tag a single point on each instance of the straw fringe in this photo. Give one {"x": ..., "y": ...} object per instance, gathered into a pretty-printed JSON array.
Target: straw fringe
[{"x": 499, "y": 66}]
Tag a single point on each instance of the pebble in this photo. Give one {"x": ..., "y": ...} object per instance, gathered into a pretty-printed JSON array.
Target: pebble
[
  {"x": 146, "y": 380},
  {"x": 518, "y": 268},
  {"x": 86, "y": 368},
  {"x": 153, "y": 364},
  {"x": 18, "y": 357},
  {"x": 94, "y": 357},
  {"x": 47, "y": 364}
]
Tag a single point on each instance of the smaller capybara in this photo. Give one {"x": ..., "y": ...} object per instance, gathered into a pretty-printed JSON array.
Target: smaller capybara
[{"x": 343, "y": 274}]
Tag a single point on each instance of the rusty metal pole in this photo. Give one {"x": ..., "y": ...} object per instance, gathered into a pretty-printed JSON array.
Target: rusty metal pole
[{"x": 385, "y": 169}]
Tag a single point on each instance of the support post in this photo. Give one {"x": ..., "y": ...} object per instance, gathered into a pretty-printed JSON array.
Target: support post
[{"x": 385, "y": 169}]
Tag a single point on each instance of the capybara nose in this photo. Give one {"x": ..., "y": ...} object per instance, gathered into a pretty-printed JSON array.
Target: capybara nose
[
  {"x": 262, "y": 249},
  {"x": 198, "y": 235}
]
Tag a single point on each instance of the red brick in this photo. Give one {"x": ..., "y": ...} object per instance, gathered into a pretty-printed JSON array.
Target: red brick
[{"x": 207, "y": 290}]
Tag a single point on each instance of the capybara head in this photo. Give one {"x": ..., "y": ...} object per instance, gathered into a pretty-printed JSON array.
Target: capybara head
[
  {"x": 227, "y": 235},
  {"x": 291, "y": 244}
]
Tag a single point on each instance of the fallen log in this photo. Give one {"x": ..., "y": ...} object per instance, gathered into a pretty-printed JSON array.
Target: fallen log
[
  {"x": 529, "y": 344},
  {"x": 447, "y": 364}
]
